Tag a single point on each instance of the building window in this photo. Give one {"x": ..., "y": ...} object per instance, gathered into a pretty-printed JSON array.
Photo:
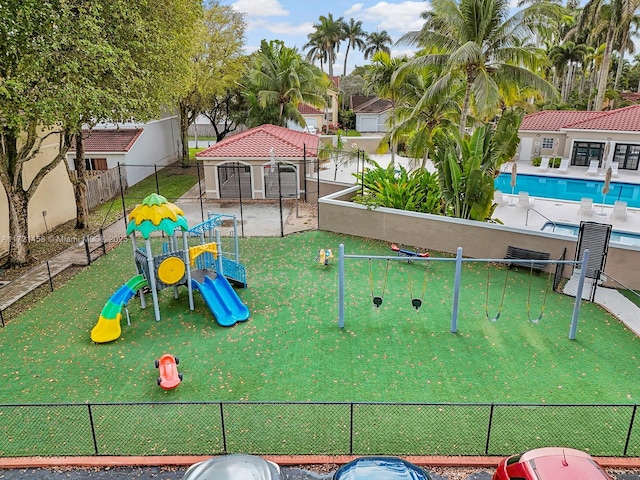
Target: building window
[
  {"x": 585, "y": 152},
  {"x": 547, "y": 142},
  {"x": 627, "y": 156},
  {"x": 99, "y": 164}
]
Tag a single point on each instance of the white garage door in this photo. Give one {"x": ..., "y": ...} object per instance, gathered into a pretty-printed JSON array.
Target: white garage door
[{"x": 369, "y": 124}]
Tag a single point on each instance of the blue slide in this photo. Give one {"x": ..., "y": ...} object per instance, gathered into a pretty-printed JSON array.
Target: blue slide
[{"x": 222, "y": 300}]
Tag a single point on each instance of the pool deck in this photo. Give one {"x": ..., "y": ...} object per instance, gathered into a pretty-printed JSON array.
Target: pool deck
[{"x": 545, "y": 210}]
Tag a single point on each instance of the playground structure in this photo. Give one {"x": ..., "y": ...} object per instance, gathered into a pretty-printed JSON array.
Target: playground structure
[
  {"x": 174, "y": 267},
  {"x": 580, "y": 266},
  {"x": 324, "y": 256}
]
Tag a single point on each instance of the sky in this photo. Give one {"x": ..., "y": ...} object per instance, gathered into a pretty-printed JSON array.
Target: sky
[{"x": 292, "y": 20}]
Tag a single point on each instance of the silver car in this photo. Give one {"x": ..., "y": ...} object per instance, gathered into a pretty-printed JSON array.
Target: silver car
[{"x": 234, "y": 467}]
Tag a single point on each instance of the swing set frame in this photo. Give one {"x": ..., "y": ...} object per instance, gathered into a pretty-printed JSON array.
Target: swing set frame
[{"x": 578, "y": 264}]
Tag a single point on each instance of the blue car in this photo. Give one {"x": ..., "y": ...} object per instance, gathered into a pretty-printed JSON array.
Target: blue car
[{"x": 380, "y": 468}]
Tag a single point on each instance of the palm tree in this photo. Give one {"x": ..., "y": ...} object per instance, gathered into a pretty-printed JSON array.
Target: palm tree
[
  {"x": 329, "y": 33},
  {"x": 477, "y": 39},
  {"x": 280, "y": 78},
  {"x": 377, "y": 42},
  {"x": 316, "y": 49},
  {"x": 352, "y": 32},
  {"x": 565, "y": 57},
  {"x": 624, "y": 31}
]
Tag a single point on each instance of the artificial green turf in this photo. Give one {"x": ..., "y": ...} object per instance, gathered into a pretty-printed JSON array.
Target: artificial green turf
[{"x": 291, "y": 348}]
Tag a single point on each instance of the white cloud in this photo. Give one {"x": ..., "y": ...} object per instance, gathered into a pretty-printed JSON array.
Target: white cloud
[
  {"x": 355, "y": 8},
  {"x": 260, "y": 8},
  {"x": 281, "y": 28},
  {"x": 400, "y": 17}
]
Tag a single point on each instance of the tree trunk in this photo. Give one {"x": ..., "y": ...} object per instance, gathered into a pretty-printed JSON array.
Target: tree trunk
[
  {"x": 346, "y": 54},
  {"x": 184, "y": 134},
  {"x": 18, "y": 227},
  {"x": 465, "y": 106},
  {"x": 80, "y": 185},
  {"x": 604, "y": 71}
]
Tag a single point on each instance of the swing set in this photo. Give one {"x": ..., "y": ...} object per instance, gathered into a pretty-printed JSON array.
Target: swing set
[
  {"x": 417, "y": 302},
  {"x": 496, "y": 317}
]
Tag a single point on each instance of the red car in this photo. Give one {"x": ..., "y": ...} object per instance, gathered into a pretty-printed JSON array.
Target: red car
[
  {"x": 550, "y": 463},
  {"x": 169, "y": 377}
]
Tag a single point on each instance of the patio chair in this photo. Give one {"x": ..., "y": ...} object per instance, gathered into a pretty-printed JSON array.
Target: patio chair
[
  {"x": 544, "y": 164},
  {"x": 619, "y": 210},
  {"x": 586, "y": 206},
  {"x": 593, "y": 167},
  {"x": 524, "y": 200},
  {"x": 564, "y": 166},
  {"x": 614, "y": 169},
  {"x": 498, "y": 197}
]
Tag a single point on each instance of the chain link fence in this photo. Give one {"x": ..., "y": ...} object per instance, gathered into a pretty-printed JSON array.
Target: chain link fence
[{"x": 270, "y": 428}]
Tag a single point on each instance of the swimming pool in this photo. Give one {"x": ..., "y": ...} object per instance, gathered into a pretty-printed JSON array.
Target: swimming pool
[
  {"x": 570, "y": 188},
  {"x": 617, "y": 236}
]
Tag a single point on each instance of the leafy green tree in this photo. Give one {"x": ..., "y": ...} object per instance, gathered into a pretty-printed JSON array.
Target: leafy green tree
[
  {"x": 354, "y": 35},
  {"x": 218, "y": 66},
  {"x": 565, "y": 58},
  {"x": 278, "y": 81},
  {"x": 467, "y": 165},
  {"x": 481, "y": 41}
]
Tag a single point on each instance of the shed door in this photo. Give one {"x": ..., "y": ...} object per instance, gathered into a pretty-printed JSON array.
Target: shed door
[
  {"x": 287, "y": 182},
  {"x": 235, "y": 180},
  {"x": 525, "y": 148}
]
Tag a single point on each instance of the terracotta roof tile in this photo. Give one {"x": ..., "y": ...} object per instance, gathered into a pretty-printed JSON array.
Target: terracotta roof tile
[
  {"x": 554, "y": 120},
  {"x": 625, "y": 119},
  {"x": 305, "y": 109},
  {"x": 258, "y": 142},
  {"x": 110, "y": 139},
  {"x": 375, "y": 105}
]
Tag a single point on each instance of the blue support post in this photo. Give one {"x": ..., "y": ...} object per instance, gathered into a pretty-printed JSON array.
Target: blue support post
[
  {"x": 456, "y": 291},
  {"x": 341, "y": 285},
  {"x": 578, "y": 302}
]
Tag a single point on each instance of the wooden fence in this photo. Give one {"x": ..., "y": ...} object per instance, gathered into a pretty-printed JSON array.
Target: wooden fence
[{"x": 102, "y": 185}]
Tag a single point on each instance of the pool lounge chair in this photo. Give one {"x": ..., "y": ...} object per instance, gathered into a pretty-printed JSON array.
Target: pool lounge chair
[
  {"x": 593, "y": 167},
  {"x": 619, "y": 210},
  {"x": 614, "y": 169},
  {"x": 498, "y": 197},
  {"x": 564, "y": 166},
  {"x": 544, "y": 164},
  {"x": 586, "y": 206},
  {"x": 524, "y": 200}
]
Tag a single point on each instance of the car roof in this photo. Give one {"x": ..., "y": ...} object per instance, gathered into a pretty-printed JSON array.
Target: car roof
[
  {"x": 557, "y": 463},
  {"x": 380, "y": 468}
]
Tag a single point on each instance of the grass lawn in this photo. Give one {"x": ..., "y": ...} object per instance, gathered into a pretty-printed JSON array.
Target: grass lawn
[{"x": 291, "y": 348}]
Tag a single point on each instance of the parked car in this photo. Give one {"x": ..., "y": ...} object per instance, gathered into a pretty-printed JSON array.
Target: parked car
[
  {"x": 233, "y": 467},
  {"x": 380, "y": 468},
  {"x": 550, "y": 463}
]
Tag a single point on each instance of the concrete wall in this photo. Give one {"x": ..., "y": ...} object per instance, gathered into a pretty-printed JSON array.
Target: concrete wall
[
  {"x": 54, "y": 196},
  {"x": 478, "y": 240},
  {"x": 367, "y": 143}
]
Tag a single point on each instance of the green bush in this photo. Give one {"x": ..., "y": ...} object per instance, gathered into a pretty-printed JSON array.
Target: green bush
[{"x": 536, "y": 161}]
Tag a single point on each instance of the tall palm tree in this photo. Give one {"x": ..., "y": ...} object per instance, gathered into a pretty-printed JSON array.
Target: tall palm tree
[
  {"x": 316, "y": 49},
  {"x": 628, "y": 27},
  {"x": 565, "y": 57},
  {"x": 352, "y": 32},
  {"x": 329, "y": 32},
  {"x": 377, "y": 42},
  {"x": 281, "y": 79},
  {"x": 479, "y": 40}
]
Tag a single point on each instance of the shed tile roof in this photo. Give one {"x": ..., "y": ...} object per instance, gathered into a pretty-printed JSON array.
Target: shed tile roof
[
  {"x": 110, "y": 139},
  {"x": 373, "y": 105},
  {"x": 622, "y": 119},
  {"x": 258, "y": 142}
]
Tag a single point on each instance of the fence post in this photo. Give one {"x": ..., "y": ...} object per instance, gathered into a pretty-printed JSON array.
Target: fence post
[
  {"x": 200, "y": 190},
  {"x": 224, "y": 433},
  {"x": 1, "y": 317},
  {"x": 576, "y": 306},
  {"x": 93, "y": 429},
  {"x": 626, "y": 443},
  {"x": 155, "y": 172},
  {"x": 124, "y": 206},
  {"x": 86, "y": 249},
  {"x": 486, "y": 445},
  {"x": 456, "y": 291},
  {"x": 49, "y": 274},
  {"x": 351, "y": 429},
  {"x": 104, "y": 247}
]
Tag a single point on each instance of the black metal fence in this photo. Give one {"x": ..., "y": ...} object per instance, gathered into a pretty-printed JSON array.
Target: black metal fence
[{"x": 263, "y": 428}]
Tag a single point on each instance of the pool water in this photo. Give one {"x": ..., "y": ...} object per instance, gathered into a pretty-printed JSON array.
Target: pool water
[
  {"x": 570, "y": 188},
  {"x": 617, "y": 236}
]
